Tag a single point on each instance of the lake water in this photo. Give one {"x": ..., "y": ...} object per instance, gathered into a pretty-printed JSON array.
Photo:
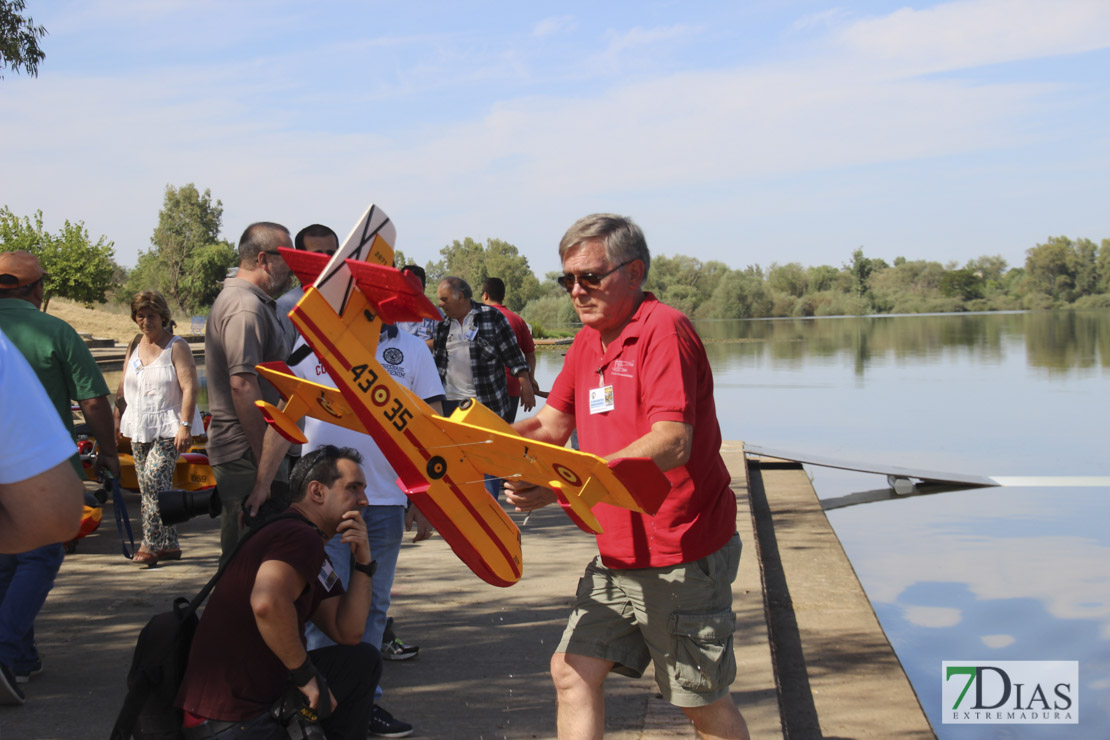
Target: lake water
[{"x": 983, "y": 575}]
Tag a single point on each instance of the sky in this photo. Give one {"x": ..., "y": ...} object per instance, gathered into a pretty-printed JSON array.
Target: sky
[{"x": 753, "y": 132}]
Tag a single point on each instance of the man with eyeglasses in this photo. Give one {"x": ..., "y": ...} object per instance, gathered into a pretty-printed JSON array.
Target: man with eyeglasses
[
  {"x": 637, "y": 383},
  {"x": 243, "y": 330}
]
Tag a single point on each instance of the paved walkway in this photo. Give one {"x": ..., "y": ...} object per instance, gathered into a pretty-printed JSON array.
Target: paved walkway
[{"x": 482, "y": 671}]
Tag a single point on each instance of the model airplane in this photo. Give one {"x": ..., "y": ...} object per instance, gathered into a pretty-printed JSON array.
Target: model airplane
[{"x": 439, "y": 461}]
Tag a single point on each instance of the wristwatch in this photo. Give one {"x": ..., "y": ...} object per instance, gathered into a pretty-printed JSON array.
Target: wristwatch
[
  {"x": 368, "y": 569},
  {"x": 187, "y": 424}
]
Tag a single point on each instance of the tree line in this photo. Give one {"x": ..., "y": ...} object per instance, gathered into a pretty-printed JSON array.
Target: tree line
[{"x": 187, "y": 261}]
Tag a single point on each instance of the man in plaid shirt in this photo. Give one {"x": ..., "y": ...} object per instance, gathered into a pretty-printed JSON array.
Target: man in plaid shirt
[{"x": 473, "y": 345}]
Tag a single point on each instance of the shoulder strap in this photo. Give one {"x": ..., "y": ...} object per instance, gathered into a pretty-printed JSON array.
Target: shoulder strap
[
  {"x": 131, "y": 347},
  {"x": 196, "y": 602}
]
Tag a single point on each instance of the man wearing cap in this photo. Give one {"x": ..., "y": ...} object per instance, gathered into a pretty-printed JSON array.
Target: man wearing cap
[
  {"x": 68, "y": 372},
  {"x": 243, "y": 330}
]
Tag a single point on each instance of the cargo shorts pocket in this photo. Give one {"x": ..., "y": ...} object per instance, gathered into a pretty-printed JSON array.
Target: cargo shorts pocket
[{"x": 702, "y": 650}]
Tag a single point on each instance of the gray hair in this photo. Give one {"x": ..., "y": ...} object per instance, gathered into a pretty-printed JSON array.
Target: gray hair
[
  {"x": 263, "y": 236},
  {"x": 623, "y": 239},
  {"x": 458, "y": 285}
]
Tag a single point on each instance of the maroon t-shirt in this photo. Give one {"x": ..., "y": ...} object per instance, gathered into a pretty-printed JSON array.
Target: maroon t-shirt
[{"x": 232, "y": 674}]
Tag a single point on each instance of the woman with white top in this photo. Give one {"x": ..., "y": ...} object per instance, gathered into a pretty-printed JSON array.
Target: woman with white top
[{"x": 156, "y": 408}]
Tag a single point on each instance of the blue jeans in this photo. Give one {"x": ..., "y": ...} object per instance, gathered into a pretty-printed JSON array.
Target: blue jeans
[
  {"x": 25, "y": 580},
  {"x": 385, "y": 528}
]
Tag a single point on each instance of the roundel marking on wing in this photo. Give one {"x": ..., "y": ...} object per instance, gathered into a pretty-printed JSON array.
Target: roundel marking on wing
[{"x": 567, "y": 474}]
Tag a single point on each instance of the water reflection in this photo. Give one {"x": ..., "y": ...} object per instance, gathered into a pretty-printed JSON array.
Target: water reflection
[
  {"x": 1054, "y": 340},
  {"x": 988, "y": 575}
]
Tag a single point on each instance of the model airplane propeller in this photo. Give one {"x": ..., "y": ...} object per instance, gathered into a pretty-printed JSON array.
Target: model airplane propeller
[{"x": 440, "y": 462}]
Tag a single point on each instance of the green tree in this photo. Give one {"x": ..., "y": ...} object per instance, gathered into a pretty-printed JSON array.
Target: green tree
[
  {"x": 788, "y": 279},
  {"x": 861, "y": 269},
  {"x": 826, "y": 277},
  {"x": 550, "y": 311},
  {"x": 1050, "y": 268},
  {"x": 964, "y": 283},
  {"x": 19, "y": 39},
  {"x": 739, "y": 295},
  {"x": 684, "y": 282},
  {"x": 1084, "y": 267},
  {"x": 205, "y": 271},
  {"x": 475, "y": 262},
  {"x": 1104, "y": 267},
  {"x": 76, "y": 268},
  {"x": 187, "y": 222}
]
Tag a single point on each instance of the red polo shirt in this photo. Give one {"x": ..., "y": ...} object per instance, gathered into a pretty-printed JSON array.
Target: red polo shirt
[
  {"x": 659, "y": 372},
  {"x": 523, "y": 338}
]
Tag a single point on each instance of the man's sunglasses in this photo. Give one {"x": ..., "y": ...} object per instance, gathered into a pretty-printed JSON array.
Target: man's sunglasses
[{"x": 588, "y": 280}]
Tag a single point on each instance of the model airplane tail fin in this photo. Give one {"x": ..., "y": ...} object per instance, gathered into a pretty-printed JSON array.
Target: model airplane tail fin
[
  {"x": 396, "y": 296},
  {"x": 283, "y": 423},
  {"x": 307, "y": 266},
  {"x": 479, "y": 415}
]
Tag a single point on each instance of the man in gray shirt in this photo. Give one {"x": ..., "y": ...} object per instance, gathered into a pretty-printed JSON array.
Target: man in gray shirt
[{"x": 243, "y": 330}]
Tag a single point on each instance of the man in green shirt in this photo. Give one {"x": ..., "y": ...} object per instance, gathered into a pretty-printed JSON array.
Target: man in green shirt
[{"x": 68, "y": 372}]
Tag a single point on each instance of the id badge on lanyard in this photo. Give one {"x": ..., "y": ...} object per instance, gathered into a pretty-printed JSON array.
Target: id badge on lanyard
[
  {"x": 328, "y": 577},
  {"x": 601, "y": 398}
]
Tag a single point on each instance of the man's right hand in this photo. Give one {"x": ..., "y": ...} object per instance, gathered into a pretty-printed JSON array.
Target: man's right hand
[
  {"x": 527, "y": 496},
  {"x": 260, "y": 494},
  {"x": 311, "y": 691}
]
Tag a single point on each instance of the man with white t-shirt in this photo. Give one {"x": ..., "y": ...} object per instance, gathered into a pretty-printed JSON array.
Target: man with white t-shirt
[{"x": 407, "y": 360}]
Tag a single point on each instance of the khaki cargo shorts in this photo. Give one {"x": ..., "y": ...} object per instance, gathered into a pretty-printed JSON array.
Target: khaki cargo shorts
[{"x": 679, "y": 617}]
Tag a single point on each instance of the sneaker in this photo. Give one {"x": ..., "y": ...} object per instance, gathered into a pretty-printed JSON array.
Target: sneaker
[
  {"x": 384, "y": 724},
  {"x": 397, "y": 650},
  {"x": 25, "y": 676},
  {"x": 10, "y": 693}
]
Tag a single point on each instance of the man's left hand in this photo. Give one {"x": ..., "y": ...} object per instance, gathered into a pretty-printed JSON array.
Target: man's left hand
[
  {"x": 111, "y": 462},
  {"x": 424, "y": 528},
  {"x": 528, "y": 497},
  {"x": 527, "y": 395}
]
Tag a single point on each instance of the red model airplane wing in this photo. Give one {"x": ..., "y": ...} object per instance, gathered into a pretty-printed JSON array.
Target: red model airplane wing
[
  {"x": 307, "y": 266},
  {"x": 396, "y": 296}
]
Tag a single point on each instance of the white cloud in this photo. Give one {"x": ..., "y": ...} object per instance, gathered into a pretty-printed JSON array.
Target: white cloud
[
  {"x": 275, "y": 144},
  {"x": 821, "y": 20},
  {"x": 554, "y": 25},
  {"x": 960, "y": 35}
]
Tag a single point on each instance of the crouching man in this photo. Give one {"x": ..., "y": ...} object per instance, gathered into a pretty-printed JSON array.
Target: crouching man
[{"x": 250, "y": 646}]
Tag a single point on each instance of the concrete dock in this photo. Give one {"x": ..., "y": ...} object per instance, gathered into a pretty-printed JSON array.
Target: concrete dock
[{"x": 813, "y": 660}]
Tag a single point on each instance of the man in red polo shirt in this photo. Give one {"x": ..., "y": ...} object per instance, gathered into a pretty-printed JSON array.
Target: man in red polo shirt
[
  {"x": 637, "y": 383},
  {"x": 493, "y": 294}
]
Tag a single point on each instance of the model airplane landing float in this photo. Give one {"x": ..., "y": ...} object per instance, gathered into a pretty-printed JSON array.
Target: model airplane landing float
[{"x": 439, "y": 461}]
